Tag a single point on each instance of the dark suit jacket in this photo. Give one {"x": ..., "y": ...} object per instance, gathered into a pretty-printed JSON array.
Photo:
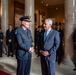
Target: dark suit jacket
[
  {"x": 74, "y": 40},
  {"x": 24, "y": 43},
  {"x": 51, "y": 44},
  {"x": 61, "y": 34},
  {"x": 10, "y": 35},
  {"x": 1, "y": 36}
]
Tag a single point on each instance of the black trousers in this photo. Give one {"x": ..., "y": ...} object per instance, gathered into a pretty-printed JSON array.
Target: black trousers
[
  {"x": 44, "y": 66},
  {"x": 47, "y": 66},
  {"x": 1, "y": 44},
  {"x": 10, "y": 49},
  {"x": 23, "y": 67}
]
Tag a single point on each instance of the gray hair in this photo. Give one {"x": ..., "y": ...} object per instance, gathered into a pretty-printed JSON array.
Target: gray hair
[{"x": 50, "y": 21}]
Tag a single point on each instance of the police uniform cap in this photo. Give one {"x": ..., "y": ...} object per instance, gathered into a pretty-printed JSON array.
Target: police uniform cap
[{"x": 25, "y": 18}]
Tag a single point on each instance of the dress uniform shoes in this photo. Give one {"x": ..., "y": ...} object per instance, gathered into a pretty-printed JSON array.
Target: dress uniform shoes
[
  {"x": 8, "y": 55},
  {"x": 74, "y": 69},
  {"x": 11, "y": 55},
  {"x": 1, "y": 56},
  {"x": 38, "y": 56}
]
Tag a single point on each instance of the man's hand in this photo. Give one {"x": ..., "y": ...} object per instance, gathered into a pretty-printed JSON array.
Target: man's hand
[
  {"x": 45, "y": 53},
  {"x": 1, "y": 40},
  {"x": 9, "y": 40},
  {"x": 31, "y": 50}
]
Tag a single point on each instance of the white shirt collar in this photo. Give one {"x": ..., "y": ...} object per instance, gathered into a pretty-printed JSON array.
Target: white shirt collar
[
  {"x": 23, "y": 27},
  {"x": 49, "y": 30}
]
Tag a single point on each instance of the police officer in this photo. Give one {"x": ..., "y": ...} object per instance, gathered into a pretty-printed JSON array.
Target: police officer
[
  {"x": 60, "y": 50},
  {"x": 74, "y": 42},
  {"x": 38, "y": 39},
  {"x": 10, "y": 40},
  {"x": 1, "y": 42},
  {"x": 25, "y": 46}
]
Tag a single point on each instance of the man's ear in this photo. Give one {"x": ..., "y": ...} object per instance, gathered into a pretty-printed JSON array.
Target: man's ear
[{"x": 22, "y": 22}]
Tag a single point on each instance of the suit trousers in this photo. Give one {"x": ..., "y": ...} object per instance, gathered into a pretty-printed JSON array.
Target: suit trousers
[
  {"x": 47, "y": 66},
  {"x": 23, "y": 67},
  {"x": 1, "y": 44},
  {"x": 10, "y": 49}
]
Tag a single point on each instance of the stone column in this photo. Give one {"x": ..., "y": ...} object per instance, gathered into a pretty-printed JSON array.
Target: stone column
[
  {"x": 4, "y": 15},
  {"x": 29, "y": 10},
  {"x": 38, "y": 18},
  {"x": 4, "y": 21},
  {"x": 11, "y": 13},
  {"x": 69, "y": 27}
]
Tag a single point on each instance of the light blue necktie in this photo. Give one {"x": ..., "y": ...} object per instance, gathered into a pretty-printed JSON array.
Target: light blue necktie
[{"x": 45, "y": 35}]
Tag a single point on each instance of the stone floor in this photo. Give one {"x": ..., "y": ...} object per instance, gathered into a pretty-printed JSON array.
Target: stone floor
[{"x": 9, "y": 64}]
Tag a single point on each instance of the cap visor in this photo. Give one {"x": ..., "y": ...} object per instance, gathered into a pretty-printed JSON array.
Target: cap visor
[{"x": 28, "y": 20}]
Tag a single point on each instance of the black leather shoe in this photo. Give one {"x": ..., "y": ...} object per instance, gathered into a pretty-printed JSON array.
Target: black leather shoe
[
  {"x": 74, "y": 69},
  {"x": 8, "y": 55},
  {"x": 38, "y": 55},
  {"x": 11, "y": 55}
]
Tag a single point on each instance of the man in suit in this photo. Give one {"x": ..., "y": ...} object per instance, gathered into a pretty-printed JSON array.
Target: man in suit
[
  {"x": 10, "y": 40},
  {"x": 1, "y": 42},
  {"x": 60, "y": 49},
  {"x": 49, "y": 43},
  {"x": 38, "y": 39},
  {"x": 74, "y": 42},
  {"x": 25, "y": 46}
]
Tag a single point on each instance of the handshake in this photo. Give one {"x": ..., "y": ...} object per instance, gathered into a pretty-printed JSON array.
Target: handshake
[{"x": 31, "y": 50}]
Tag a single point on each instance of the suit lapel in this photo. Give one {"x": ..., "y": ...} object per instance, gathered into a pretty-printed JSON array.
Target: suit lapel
[
  {"x": 26, "y": 34},
  {"x": 23, "y": 31},
  {"x": 48, "y": 35}
]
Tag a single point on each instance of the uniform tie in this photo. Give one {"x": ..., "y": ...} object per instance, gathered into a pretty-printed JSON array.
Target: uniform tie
[{"x": 26, "y": 31}]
